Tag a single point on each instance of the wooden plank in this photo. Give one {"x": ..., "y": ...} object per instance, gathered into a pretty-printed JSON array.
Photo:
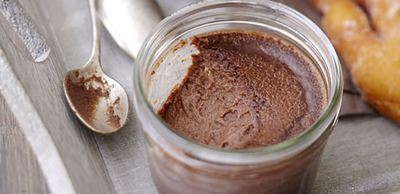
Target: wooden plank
[
  {"x": 19, "y": 169},
  {"x": 66, "y": 150}
]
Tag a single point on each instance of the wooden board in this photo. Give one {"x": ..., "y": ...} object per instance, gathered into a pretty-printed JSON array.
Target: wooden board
[
  {"x": 66, "y": 151},
  {"x": 19, "y": 170}
]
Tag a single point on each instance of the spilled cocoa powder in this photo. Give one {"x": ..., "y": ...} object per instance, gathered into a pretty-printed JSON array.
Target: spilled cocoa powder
[
  {"x": 113, "y": 120},
  {"x": 85, "y": 99}
]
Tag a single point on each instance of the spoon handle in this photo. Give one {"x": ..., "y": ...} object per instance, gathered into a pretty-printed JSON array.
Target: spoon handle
[{"x": 94, "y": 60}]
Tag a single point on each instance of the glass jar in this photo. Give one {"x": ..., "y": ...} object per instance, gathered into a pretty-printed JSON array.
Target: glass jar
[{"x": 180, "y": 165}]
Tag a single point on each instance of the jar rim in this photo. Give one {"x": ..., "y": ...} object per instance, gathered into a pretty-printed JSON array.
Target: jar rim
[{"x": 320, "y": 128}]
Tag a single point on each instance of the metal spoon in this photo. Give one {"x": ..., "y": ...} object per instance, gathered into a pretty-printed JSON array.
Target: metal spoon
[
  {"x": 97, "y": 100},
  {"x": 129, "y": 21}
]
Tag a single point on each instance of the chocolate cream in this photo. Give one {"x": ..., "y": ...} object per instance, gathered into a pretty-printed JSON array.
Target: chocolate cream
[
  {"x": 245, "y": 90},
  {"x": 85, "y": 99}
]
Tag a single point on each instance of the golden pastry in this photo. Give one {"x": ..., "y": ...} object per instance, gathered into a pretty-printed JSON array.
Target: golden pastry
[{"x": 370, "y": 49}]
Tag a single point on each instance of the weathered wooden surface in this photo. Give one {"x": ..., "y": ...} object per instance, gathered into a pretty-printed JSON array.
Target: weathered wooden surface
[
  {"x": 22, "y": 31},
  {"x": 103, "y": 164},
  {"x": 66, "y": 151},
  {"x": 19, "y": 170}
]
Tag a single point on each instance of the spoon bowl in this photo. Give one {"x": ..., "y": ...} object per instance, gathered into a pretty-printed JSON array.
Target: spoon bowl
[
  {"x": 98, "y": 101},
  {"x": 109, "y": 112}
]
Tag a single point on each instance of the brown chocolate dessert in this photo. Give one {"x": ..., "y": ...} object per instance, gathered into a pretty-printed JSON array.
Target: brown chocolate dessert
[
  {"x": 113, "y": 119},
  {"x": 85, "y": 99},
  {"x": 245, "y": 90}
]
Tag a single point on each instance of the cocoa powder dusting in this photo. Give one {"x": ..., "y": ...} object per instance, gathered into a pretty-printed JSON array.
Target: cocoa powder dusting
[
  {"x": 245, "y": 90},
  {"x": 85, "y": 99},
  {"x": 113, "y": 120}
]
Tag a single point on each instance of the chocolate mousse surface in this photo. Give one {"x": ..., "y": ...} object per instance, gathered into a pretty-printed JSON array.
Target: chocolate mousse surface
[{"x": 245, "y": 90}]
